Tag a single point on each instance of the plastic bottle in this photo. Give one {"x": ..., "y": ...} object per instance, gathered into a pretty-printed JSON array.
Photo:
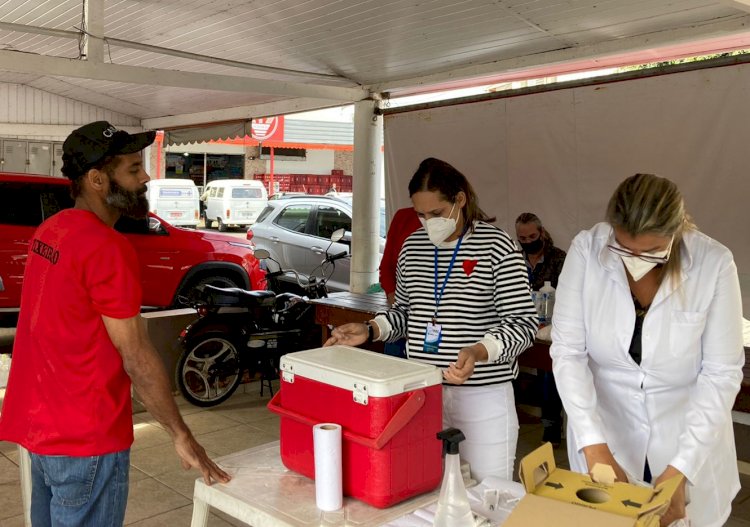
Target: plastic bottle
[
  {"x": 536, "y": 297},
  {"x": 453, "y": 509},
  {"x": 547, "y": 304}
]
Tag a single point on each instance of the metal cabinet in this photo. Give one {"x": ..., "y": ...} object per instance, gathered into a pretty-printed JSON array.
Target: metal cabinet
[{"x": 31, "y": 157}]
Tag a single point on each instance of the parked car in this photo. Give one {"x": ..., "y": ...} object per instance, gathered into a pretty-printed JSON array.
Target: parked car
[
  {"x": 297, "y": 231},
  {"x": 176, "y": 200},
  {"x": 231, "y": 202},
  {"x": 173, "y": 260}
]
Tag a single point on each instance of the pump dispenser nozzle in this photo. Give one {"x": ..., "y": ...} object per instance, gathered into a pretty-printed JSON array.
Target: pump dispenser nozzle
[
  {"x": 451, "y": 437},
  {"x": 453, "y": 508}
]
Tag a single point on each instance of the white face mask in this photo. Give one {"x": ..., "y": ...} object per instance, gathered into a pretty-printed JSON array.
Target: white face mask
[
  {"x": 638, "y": 267},
  {"x": 439, "y": 229}
]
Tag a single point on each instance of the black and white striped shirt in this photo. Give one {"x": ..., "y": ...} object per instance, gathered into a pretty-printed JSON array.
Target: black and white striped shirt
[{"x": 486, "y": 299}]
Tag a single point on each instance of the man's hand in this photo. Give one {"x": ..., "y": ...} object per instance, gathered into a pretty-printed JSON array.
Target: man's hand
[
  {"x": 677, "y": 505},
  {"x": 463, "y": 368},
  {"x": 193, "y": 455},
  {"x": 352, "y": 334},
  {"x": 600, "y": 453}
]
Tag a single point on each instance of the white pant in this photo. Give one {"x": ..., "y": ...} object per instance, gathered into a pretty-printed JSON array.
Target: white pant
[{"x": 487, "y": 417}]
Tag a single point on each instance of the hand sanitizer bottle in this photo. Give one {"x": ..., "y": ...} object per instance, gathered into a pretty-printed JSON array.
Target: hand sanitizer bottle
[
  {"x": 453, "y": 508},
  {"x": 547, "y": 304}
]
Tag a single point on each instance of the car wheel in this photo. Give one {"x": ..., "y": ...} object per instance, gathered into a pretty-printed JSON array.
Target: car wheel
[
  {"x": 218, "y": 281},
  {"x": 222, "y": 225},
  {"x": 191, "y": 291},
  {"x": 209, "y": 370}
]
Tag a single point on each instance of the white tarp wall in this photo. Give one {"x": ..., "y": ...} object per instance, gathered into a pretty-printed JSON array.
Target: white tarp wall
[{"x": 561, "y": 154}]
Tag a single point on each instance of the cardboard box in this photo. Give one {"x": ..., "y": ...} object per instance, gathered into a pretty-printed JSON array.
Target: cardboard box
[
  {"x": 390, "y": 411},
  {"x": 561, "y": 498}
]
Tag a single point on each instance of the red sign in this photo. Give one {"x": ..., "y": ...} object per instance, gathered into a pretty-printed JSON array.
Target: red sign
[{"x": 268, "y": 129}]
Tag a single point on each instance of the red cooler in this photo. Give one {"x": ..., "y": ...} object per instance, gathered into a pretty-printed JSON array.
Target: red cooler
[{"x": 389, "y": 409}]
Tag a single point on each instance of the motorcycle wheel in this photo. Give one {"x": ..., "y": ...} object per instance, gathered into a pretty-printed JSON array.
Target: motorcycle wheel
[{"x": 209, "y": 370}]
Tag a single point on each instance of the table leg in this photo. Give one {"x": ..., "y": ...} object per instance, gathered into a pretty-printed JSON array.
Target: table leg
[
  {"x": 24, "y": 463},
  {"x": 200, "y": 513}
]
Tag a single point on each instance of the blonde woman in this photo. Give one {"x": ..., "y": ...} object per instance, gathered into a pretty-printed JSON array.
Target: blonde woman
[{"x": 647, "y": 350}]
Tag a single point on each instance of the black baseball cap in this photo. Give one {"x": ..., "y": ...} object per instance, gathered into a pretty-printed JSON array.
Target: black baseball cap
[{"x": 89, "y": 144}]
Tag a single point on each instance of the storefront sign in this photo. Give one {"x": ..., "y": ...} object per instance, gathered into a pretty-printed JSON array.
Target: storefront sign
[{"x": 268, "y": 129}]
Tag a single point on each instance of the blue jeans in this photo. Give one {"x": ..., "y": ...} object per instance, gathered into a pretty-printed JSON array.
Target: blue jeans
[{"x": 79, "y": 491}]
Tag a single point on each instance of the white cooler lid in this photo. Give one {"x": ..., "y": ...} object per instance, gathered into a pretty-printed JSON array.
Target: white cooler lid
[{"x": 345, "y": 366}]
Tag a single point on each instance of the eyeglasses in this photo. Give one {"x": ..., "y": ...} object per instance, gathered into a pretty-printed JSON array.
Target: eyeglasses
[
  {"x": 646, "y": 257},
  {"x": 643, "y": 256}
]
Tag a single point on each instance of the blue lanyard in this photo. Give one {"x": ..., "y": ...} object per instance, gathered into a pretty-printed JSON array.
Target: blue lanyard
[{"x": 447, "y": 274}]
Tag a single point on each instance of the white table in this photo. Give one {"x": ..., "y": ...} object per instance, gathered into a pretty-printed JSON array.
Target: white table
[{"x": 263, "y": 493}]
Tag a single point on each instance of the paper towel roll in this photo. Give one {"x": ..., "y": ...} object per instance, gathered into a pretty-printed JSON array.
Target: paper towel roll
[{"x": 327, "y": 451}]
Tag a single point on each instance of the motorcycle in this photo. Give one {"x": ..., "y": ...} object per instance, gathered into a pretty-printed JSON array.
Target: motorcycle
[{"x": 242, "y": 331}]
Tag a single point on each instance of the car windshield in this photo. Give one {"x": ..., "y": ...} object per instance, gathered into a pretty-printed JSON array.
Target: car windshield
[
  {"x": 247, "y": 193},
  {"x": 348, "y": 199}
]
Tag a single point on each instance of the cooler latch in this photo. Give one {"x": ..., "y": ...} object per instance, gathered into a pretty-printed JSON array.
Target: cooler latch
[
  {"x": 359, "y": 394},
  {"x": 287, "y": 376}
]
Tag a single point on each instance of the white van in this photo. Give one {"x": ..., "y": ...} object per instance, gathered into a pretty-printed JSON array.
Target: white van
[
  {"x": 175, "y": 200},
  {"x": 233, "y": 202}
]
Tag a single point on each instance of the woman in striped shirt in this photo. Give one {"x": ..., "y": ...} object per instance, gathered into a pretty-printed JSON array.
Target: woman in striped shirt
[{"x": 463, "y": 304}]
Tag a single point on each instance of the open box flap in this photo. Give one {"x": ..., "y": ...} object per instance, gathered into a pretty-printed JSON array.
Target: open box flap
[{"x": 536, "y": 466}]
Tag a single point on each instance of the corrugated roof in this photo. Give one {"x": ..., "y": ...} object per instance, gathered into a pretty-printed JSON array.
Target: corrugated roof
[{"x": 393, "y": 45}]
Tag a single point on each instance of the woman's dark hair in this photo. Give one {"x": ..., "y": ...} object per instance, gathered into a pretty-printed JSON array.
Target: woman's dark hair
[
  {"x": 434, "y": 175},
  {"x": 530, "y": 217}
]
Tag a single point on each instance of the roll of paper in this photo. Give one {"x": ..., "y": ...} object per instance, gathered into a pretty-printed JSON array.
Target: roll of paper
[{"x": 327, "y": 451}]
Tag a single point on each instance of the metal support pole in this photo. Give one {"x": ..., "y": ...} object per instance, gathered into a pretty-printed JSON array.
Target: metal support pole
[
  {"x": 366, "y": 184},
  {"x": 205, "y": 169}
]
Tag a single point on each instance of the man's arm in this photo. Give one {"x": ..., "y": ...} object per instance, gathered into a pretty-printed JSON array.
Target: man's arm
[{"x": 145, "y": 369}]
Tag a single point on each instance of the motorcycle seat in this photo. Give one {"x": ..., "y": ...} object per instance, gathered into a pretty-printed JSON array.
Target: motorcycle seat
[{"x": 235, "y": 296}]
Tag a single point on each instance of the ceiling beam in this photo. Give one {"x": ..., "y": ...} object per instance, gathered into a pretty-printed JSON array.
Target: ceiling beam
[
  {"x": 650, "y": 41},
  {"x": 129, "y": 44},
  {"x": 62, "y": 67},
  {"x": 93, "y": 30},
  {"x": 59, "y": 131},
  {"x": 255, "y": 111}
]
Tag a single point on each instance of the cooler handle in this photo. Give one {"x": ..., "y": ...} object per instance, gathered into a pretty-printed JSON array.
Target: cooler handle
[{"x": 398, "y": 420}]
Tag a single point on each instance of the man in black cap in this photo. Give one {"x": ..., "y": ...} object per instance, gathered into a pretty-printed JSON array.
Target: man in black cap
[{"x": 81, "y": 342}]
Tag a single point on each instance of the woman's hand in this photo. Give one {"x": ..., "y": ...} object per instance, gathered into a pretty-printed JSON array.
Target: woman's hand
[
  {"x": 677, "y": 505},
  {"x": 352, "y": 334},
  {"x": 463, "y": 368},
  {"x": 600, "y": 453}
]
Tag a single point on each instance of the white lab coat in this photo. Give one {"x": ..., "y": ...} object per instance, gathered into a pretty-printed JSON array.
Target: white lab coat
[{"x": 675, "y": 408}]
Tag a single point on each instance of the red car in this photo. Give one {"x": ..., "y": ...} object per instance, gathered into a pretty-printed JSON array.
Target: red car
[{"x": 173, "y": 260}]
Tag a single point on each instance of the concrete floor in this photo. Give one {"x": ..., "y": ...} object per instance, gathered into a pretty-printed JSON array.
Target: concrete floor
[{"x": 161, "y": 491}]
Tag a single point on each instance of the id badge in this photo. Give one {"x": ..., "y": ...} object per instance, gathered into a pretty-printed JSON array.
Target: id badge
[{"x": 432, "y": 337}]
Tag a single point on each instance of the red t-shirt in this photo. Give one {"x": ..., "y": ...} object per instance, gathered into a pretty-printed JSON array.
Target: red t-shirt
[
  {"x": 404, "y": 222},
  {"x": 68, "y": 393}
]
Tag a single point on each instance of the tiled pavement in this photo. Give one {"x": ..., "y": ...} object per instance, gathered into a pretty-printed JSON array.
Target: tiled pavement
[{"x": 161, "y": 491}]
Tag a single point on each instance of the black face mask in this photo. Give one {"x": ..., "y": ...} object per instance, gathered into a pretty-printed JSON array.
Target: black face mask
[{"x": 532, "y": 247}]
